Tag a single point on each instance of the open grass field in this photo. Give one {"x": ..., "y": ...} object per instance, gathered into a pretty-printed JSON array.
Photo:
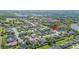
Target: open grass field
[
  {"x": 44, "y": 47},
  {"x": 66, "y": 39}
]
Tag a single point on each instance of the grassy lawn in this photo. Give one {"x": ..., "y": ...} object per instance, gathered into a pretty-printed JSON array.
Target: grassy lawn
[
  {"x": 66, "y": 39},
  {"x": 77, "y": 30},
  {"x": 0, "y": 41},
  {"x": 77, "y": 36},
  {"x": 62, "y": 41},
  {"x": 15, "y": 47},
  {"x": 70, "y": 47},
  {"x": 44, "y": 47}
]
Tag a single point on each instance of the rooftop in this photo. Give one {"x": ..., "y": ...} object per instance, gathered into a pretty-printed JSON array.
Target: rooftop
[{"x": 75, "y": 27}]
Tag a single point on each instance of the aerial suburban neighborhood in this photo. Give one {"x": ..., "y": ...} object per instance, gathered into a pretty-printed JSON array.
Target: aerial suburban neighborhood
[{"x": 39, "y": 29}]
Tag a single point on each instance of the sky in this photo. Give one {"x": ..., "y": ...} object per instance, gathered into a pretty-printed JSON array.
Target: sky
[{"x": 39, "y": 4}]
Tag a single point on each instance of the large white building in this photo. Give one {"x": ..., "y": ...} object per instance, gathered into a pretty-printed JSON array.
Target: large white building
[{"x": 75, "y": 27}]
